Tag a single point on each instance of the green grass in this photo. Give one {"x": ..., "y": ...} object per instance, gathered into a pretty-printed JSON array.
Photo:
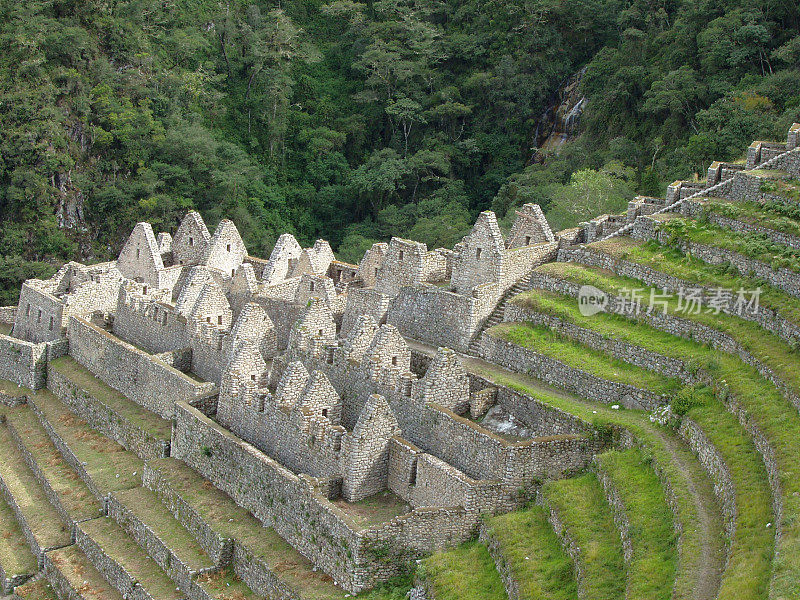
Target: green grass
[
  {"x": 9, "y": 388},
  {"x": 534, "y": 554},
  {"x": 672, "y": 262},
  {"x": 788, "y": 188},
  {"x": 754, "y": 245},
  {"x": 42, "y": 519},
  {"x": 777, "y": 216},
  {"x": 73, "y": 494},
  {"x": 124, "y": 550},
  {"x": 582, "y": 508},
  {"x": 109, "y": 465},
  {"x": 146, "y": 507},
  {"x": 775, "y": 416},
  {"x": 546, "y": 342},
  {"x": 464, "y": 573},
  {"x": 767, "y": 347},
  {"x": 142, "y": 418},
  {"x": 15, "y": 555},
  {"x": 653, "y": 539},
  {"x": 229, "y": 520}
]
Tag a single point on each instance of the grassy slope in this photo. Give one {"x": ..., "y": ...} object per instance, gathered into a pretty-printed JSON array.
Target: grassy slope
[
  {"x": 464, "y": 573},
  {"x": 755, "y": 246},
  {"x": 534, "y": 553},
  {"x": 654, "y": 541},
  {"x": 775, "y": 416},
  {"x": 581, "y": 505},
  {"x": 673, "y": 262}
]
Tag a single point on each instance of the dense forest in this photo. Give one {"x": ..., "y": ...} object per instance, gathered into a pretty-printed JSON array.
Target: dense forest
[{"x": 356, "y": 121}]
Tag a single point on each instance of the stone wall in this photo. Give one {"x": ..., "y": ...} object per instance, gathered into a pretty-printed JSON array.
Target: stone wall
[
  {"x": 158, "y": 549},
  {"x": 153, "y": 325},
  {"x": 523, "y": 360},
  {"x": 22, "y": 362},
  {"x": 431, "y": 314},
  {"x": 782, "y": 278},
  {"x": 764, "y": 316},
  {"x": 294, "y": 507},
  {"x": 138, "y": 375},
  {"x": 714, "y": 465},
  {"x": 111, "y": 570},
  {"x": 105, "y": 418},
  {"x": 39, "y": 316}
]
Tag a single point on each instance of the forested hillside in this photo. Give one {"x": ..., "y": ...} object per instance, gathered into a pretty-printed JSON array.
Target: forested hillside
[{"x": 355, "y": 121}]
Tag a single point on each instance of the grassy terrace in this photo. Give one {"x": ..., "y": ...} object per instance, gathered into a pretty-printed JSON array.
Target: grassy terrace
[
  {"x": 544, "y": 341},
  {"x": 12, "y": 389},
  {"x": 110, "y": 466},
  {"x": 672, "y": 262},
  {"x": 775, "y": 416},
  {"x": 654, "y": 541},
  {"x": 375, "y": 510},
  {"x": 15, "y": 555},
  {"x": 581, "y": 505},
  {"x": 786, "y": 187},
  {"x": 225, "y": 585},
  {"x": 82, "y": 576},
  {"x": 770, "y": 349},
  {"x": 75, "y": 497},
  {"x": 464, "y": 573},
  {"x": 146, "y": 506},
  {"x": 700, "y": 557},
  {"x": 756, "y": 246},
  {"x": 229, "y": 520},
  {"x": 142, "y": 418},
  {"x": 42, "y": 519},
  {"x": 36, "y": 590},
  {"x": 534, "y": 553},
  {"x": 122, "y": 549},
  {"x": 778, "y": 216}
]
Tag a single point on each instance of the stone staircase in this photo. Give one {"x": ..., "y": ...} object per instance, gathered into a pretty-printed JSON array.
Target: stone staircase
[{"x": 496, "y": 316}]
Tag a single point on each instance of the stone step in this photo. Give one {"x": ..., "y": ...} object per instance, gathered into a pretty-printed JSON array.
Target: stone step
[
  {"x": 17, "y": 563},
  {"x": 64, "y": 488},
  {"x": 140, "y": 513},
  {"x": 73, "y": 577},
  {"x": 231, "y": 535},
  {"x": 122, "y": 562},
  {"x": 101, "y": 463},
  {"x": 39, "y": 521},
  {"x": 107, "y": 410}
]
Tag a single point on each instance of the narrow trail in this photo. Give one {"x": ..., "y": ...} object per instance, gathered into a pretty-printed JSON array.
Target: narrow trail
[{"x": 699, "y": 576}]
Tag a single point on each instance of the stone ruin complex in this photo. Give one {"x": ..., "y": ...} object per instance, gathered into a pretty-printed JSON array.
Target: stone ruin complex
[
  {"x": 301, "y": 385},
  {"x": 328, "y": 373}
]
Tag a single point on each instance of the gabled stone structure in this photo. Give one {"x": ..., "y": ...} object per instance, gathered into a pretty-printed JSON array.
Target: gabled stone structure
[
  {"x": 191, "y": 240},
  {"x": 140, "y": 258},
  {"x": 226, "y": 249}
]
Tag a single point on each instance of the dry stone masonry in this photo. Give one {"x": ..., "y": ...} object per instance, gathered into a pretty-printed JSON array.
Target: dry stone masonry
[{"x": 305, "y": 387}]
